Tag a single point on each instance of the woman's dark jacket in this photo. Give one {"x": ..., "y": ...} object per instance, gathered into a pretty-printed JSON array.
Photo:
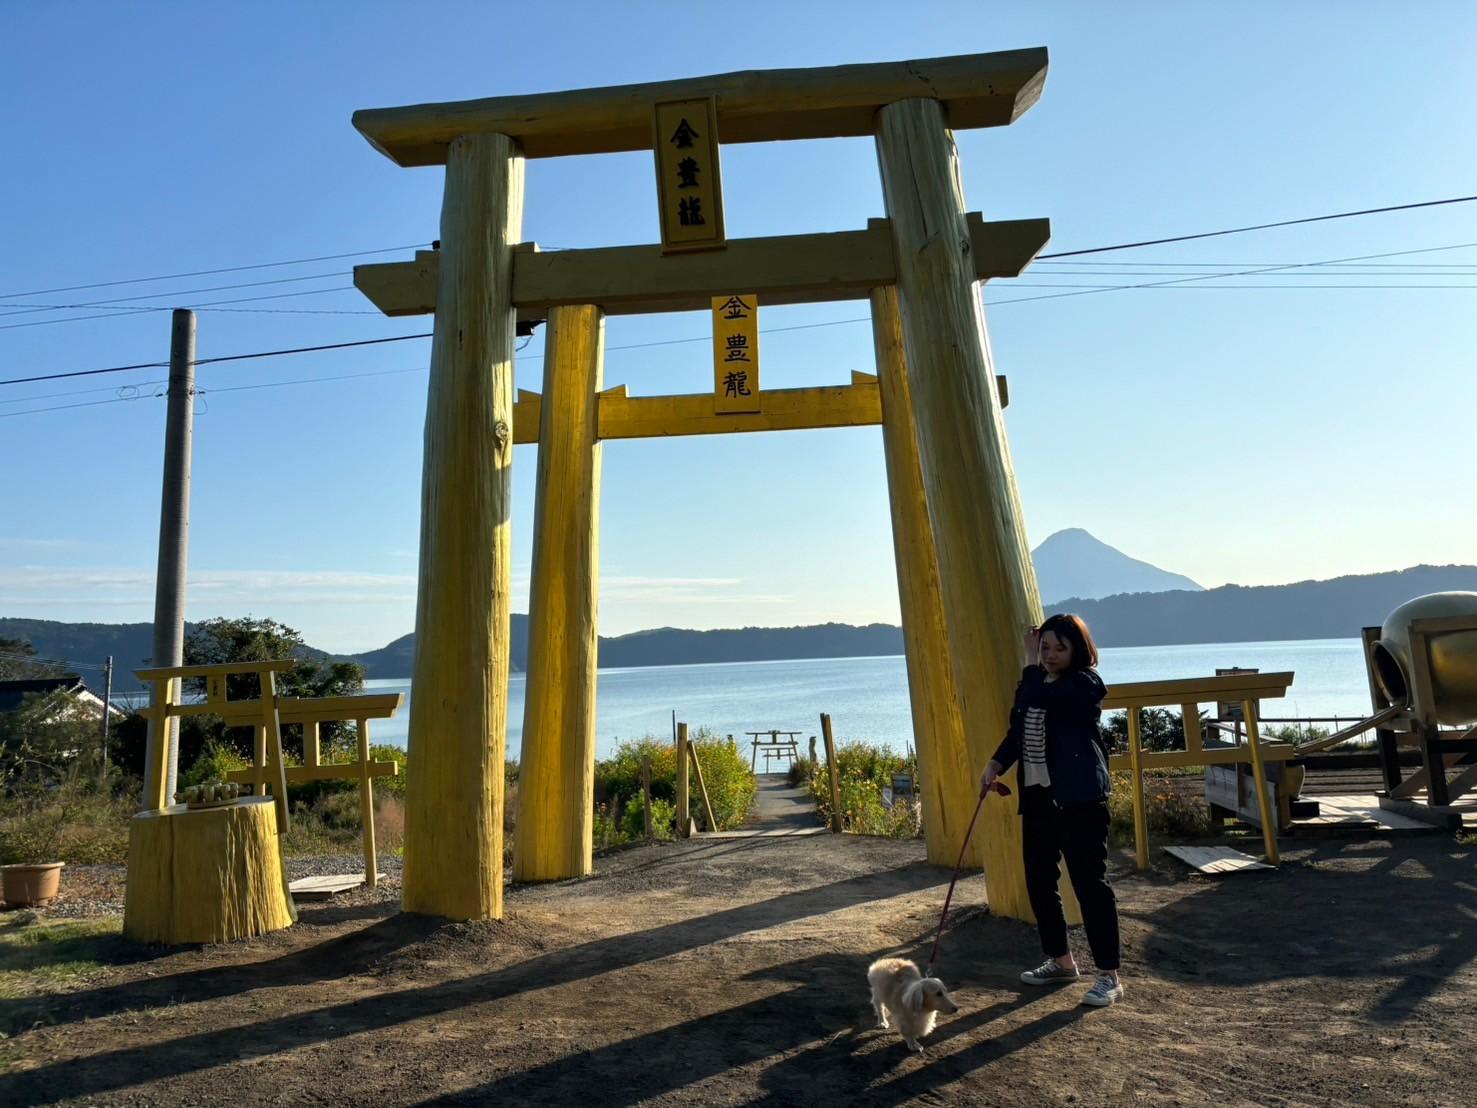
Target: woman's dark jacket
[{"x": 1076, "y": 753}]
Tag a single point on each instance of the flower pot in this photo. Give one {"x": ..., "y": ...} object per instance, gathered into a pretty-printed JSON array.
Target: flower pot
[{"x": 30, "y": 886}]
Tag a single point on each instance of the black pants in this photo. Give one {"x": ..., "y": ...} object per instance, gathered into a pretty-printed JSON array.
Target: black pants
[{"x": 1081, "y": 836}]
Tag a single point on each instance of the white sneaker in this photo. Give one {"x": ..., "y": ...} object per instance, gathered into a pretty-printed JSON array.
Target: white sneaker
[{"x": 1104, "y": 991}]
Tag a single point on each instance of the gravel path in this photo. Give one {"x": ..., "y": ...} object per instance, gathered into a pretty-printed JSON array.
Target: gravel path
[{"x": 91, "y": 891}]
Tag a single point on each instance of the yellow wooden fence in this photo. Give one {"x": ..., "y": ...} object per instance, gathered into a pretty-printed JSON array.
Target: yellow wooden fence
[
  {"x": 266, "y": 716},
  {"x": 1188, "y": 694}
]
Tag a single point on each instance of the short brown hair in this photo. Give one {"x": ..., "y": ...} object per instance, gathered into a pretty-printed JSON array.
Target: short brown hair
[{"x": 1073, "y": 630}]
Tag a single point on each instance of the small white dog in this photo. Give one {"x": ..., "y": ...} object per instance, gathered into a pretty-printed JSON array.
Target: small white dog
[{"x": 902, "y": 995}]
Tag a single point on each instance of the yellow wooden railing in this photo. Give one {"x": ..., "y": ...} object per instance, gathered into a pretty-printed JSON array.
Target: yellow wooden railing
[
  {"x": 1188, "y": 694},
  {"x": 266, "y": 716}
]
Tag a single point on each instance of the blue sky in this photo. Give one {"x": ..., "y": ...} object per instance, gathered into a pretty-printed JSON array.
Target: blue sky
[{"x": 1253, "y": 435}]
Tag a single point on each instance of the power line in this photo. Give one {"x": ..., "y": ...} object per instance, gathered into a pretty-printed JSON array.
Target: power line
[
  {"x": 206, "y": 306},
  {"x": 31, "y": 309},
  {"x": 1260, "y": 227},
  {"x": 137, "y": 390},
  {"x": 37, "y": 659},
  {"x": 1238, "y": 273},
  {"x": 1365, "y": 258},
  {"x": 212, "y": 361},
  {"x": 212, "y": 272}
]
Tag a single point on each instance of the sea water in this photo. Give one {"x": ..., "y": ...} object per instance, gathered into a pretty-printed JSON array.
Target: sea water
[{"x": 867, "y": 698}]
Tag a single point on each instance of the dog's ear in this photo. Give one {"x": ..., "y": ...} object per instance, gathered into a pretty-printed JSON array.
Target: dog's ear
[{"x": 913, "y": 997}]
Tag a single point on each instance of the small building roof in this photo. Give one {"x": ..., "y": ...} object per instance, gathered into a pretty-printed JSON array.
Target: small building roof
[{"x": 14, "y": 693}]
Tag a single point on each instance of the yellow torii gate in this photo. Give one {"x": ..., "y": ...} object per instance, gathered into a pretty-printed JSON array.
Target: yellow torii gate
[{"x": 965, "y": 578}]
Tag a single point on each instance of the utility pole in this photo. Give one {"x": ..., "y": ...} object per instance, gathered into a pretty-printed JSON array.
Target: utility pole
[
  {"x": 107, "y": 710},
  {"x": 174, "y": 532}
]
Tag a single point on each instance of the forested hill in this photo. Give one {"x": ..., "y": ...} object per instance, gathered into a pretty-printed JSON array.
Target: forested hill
[
  {"x": 672, "y": 646},
  {"x": 1333, "y": 609},
  {"x": 1232, "y": 613}
]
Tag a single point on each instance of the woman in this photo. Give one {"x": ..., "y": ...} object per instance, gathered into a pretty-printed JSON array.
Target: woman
[{"x": 1064, "y": 800}]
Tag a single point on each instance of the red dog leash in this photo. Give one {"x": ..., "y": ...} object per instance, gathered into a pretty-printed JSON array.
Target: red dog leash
[{"x": 995, "y": 787}]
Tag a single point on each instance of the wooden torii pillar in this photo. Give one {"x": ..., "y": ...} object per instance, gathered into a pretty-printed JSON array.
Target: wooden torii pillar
[{"x": 964, "y": 569}]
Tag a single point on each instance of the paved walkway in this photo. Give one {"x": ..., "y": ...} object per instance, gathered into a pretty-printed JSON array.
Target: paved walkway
[{"x": 778, "y": 810}]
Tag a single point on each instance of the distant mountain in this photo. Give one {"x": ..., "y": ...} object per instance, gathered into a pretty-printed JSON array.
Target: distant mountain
[
  {"x": 664, "y": 646},
  {"x": 397, "y": 659},
  {"x": 1072, "y": 563},
  {"x": 87, "y": 645},
  {"x": 1232, "y": 613},
  {"x": 1332, "y": 609}
]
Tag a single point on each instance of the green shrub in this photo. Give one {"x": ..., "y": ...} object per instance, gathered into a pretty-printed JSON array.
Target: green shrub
[
  {"x": 607, "y": 830},
  {"x": 620, "y": 775},
  {"x": 215, "y": 761},
  {"x": 74, "y": 822},
  {"x": 663, "y": 818},
  {"x": 1159, "y": 729},
  {"x": 864, "y": 770},
  {"x": 1169, "y": 812},
  {"x": 730, "y": 783},
  {"x": 800, "y": 772}
]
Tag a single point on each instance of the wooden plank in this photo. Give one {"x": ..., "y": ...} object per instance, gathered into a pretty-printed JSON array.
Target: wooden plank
[
  {"x": 272, "y": 727},
  {"x": 1335, "y": 810},
  {"x": 1216, "y": 859},
  {"x": 977, "y": 90},
  {"x": 832, "y": 772},
  {"x": 1190, "y": 725},
  {"x": 1136, "y": 772},
  {"x": 697, "y": 768},
  {"x": 327, "y": 885},
  {"x": 633, "y": 280},
  {"x": 366, "y": 803},
  {"x": 842, "y": 265},
  {"x": 630, "y": 417},
  {"x": 1440, "y": 625},
  {"x": 401, "y": 288},
  {"x": 684, "y": 801},
  {"x": 326, "y": 709},
  {"x": 158, "y": 761},
  {"x": 1211, "y": 756},
  {"x": 1259, "y": 780},
  {"x": 275, "y": 666},
  {"x": 1240, "y": 686},
  {"x": 324, "y": 771},
  {"x": 1375, "y": 721}
]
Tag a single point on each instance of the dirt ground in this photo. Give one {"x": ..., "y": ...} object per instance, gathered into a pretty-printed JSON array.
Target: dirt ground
[{"x": 732, "y": 972}]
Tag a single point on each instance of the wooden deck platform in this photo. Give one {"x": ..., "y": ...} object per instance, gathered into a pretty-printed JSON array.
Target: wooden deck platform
[
  {"x": 321, "y": 888},
  {"x": 1216, "y": 859},
  {"x": 1358, "y": 811}
]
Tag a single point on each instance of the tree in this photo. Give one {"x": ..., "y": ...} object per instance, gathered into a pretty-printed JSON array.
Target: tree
[
  {"x": 1160, "y": 729},
  {"x": 246, "y": 639},
  {"x": 15, "y": 664},
  {"x": 44, "y": 740}
]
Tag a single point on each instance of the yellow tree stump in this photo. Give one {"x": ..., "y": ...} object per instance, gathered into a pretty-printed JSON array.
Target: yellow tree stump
[
  {"x": 458, "y": 716},
  {"x": 552, "y": 838},
  {"x": 206, "y": 876}
]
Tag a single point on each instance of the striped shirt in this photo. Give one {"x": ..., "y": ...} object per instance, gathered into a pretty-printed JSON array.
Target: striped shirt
[{"x": 1033, "y": 748}]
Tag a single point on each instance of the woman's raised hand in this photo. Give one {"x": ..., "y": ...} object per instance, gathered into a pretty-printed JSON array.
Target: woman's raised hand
[{"x": 1033, "y": 645}]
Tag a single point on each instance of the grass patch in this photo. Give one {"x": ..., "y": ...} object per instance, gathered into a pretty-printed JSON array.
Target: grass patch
[{"x": 52, "y": 957}]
